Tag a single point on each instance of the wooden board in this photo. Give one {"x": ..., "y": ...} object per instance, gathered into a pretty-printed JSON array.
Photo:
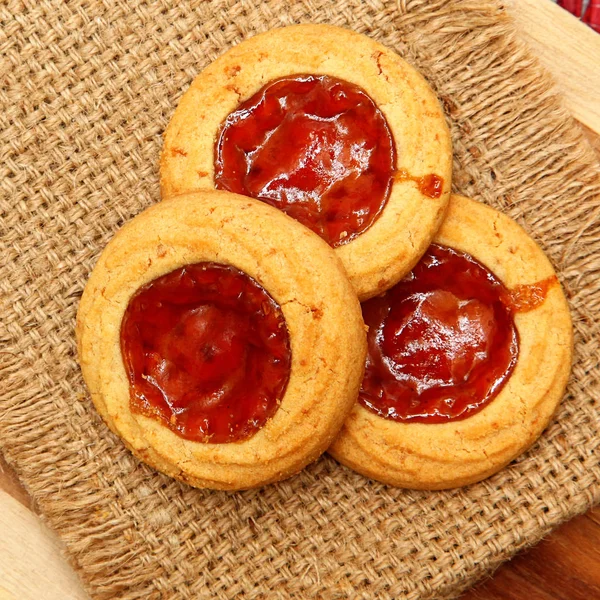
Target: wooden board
[
  {"x": 569, "y": 49},
  {"x": 31, "y": 563},
  {"x": 566, "y": 566}
]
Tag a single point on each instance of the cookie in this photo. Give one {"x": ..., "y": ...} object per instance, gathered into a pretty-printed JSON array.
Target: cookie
[
  {"x": 329, "y": 126},
  {"x": 468, "y": 358},
  {"x": 210, "y": 339}
]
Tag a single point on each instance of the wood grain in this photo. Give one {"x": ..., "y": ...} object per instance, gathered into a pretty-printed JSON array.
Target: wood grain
[
  {"x": 32, "y": 566},
  {"x": 568, "y": 49},
  {"x": 565, "y": 566}
]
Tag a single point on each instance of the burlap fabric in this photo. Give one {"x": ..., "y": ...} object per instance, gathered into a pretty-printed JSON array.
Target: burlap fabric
[{"x": 87, "y": 89}]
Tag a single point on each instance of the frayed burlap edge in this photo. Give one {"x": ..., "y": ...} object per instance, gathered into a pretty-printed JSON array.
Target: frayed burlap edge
[{"x": 88, "y": 90}]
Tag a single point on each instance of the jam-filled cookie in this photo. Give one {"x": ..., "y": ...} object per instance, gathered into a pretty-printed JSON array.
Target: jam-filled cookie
[
  {"x": 332, "y": 128},
  {"x": 468, "y": 357},
  {"x": 210, "y": 339}
]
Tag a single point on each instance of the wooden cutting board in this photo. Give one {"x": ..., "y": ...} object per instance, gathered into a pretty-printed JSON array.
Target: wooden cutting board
[{"x": 566, "y": 566}]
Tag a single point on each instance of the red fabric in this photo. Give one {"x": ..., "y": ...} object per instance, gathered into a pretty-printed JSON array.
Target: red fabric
[
  {"x": 573, "y": 6},
  {"x": 588, "y": 11},
  {"x": 592, "y": 15}
]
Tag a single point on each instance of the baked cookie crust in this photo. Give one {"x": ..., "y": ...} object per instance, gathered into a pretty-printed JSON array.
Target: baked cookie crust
[
  {"x": 386, "y": 251},
  {"x": 457, "y": 453},
  {"x": 300, "y": 272}
]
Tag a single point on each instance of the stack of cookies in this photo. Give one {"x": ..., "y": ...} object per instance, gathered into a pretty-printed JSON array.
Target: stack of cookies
[{"x": 222, "y": 336}]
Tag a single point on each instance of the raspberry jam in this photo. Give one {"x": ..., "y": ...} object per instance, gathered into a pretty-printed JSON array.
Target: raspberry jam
[
  {"x": 429, "y": 185},
  {"x": 316, "y": 147},
  {"x": 524, "y": 298},
  {"x": 442, "y": 342},
  {"x": 207, "y": 353}
]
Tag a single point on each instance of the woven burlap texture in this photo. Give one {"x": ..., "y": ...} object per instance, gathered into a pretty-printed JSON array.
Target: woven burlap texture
[{"x": 87, "y": 90}]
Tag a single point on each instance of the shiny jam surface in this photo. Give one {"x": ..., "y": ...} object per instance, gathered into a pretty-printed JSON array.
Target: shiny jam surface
[
  {"x": 316, "y": 147},
  {"x": 207, "y": 353},
  {"x": 442, "y": 342}
]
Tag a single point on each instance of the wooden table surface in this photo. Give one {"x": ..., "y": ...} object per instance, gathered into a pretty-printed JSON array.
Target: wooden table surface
[{"x": 565, "y": 566}]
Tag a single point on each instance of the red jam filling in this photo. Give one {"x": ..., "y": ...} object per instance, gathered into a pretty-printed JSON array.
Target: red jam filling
[
  {"x": 524, "y": 298},
  {"x": 207, "y": 353},
  {"x": 429, "y": 185},
  {"x": 316, "y": 147},
  {"x": 442, "y": 342}
]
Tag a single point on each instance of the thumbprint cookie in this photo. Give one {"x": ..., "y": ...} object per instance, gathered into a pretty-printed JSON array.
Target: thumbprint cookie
[
  {"x": 211, "y": 339},
  {"x": 330, "y": 127},
  {"x": 468, "y": 357}
]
